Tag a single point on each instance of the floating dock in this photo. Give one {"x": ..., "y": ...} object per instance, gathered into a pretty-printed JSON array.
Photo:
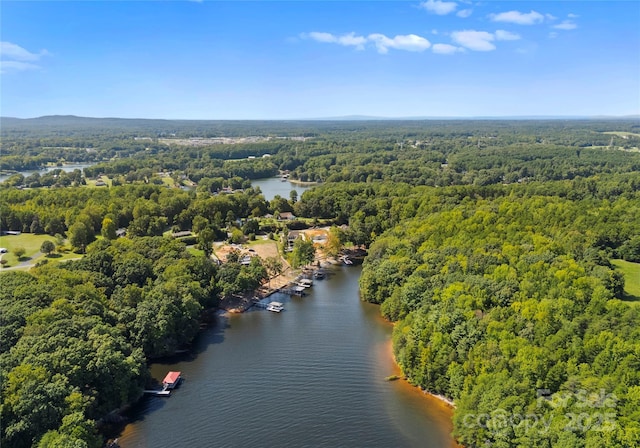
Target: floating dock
[
  {"x": 158, "y": 393},
  {"x": 294, "y": 291}
]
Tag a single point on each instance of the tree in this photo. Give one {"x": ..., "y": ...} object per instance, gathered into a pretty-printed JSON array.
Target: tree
[
  {"x": 33, "y": 402},
  {"x": 237, "y": 236},
  {"x": 35, "y": 227},
  {"x": 80, "y": 236},
  {"x": 108, "y": 229},
  {"x": 199, "y": 223},
  {"x": 273, "y": 265},
  {"x": 54, "y": 226},
  {"x": 251, "y": 227},
  {"x": 334, "y": 241},
  {"x": 19, "y": 252},
  {"x": 303, "y": 253},
  {"x": 206, "y": 237},
  {"x": 47, "y": 247}
]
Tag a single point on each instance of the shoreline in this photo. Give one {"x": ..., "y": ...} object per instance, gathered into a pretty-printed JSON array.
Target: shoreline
[
  {"x": 303, "y": 183},
  {"x": 398, "y": 371},
  {"x": 444, "y": 405}
]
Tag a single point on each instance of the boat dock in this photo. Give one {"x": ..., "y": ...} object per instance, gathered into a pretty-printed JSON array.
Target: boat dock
[
  {"x": 158, "y": 393},
  {"x": 170, "y": 382},
  {"x": 294, "y": 291}
]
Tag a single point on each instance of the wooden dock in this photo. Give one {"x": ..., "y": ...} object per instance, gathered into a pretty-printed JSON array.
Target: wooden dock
[{"x": 158, "y": 393}]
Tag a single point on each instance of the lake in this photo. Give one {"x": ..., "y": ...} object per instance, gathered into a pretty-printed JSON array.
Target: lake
[
  {"x": 68, "y": 168},
  {"x": 274, "y": 186},
  {"x": 312, "y": 375}
]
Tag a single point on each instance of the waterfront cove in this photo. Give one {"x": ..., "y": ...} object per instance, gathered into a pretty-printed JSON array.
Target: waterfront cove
[{"x": 311, "y": 375}]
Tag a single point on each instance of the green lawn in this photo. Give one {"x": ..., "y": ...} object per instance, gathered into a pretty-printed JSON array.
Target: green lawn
[
  {"x": 195, "y": 252},
  {"x": 631, "y": 273},
  {"x": 168, "y": 181},
  {"x": 32, "y": 244}
]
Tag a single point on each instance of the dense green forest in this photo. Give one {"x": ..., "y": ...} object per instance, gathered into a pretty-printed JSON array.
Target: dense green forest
[
  {"x": 496, "y": 299},
  {"x": 490, "y": 247}
]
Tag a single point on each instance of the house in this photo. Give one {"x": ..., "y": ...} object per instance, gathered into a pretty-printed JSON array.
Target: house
[
  {"x": 121, "y": 232},
  {"x": 292, "y": 236},
  {"x": 286, "y": 216}
]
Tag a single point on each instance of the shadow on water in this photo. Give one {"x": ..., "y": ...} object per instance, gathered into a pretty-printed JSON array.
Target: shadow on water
[
  {"x": 147, "y": 404},
  {"x": 213, "y": 333}
]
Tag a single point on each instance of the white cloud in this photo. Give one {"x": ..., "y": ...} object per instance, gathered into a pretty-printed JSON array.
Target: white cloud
[
  {"x": 14, "y": 58},
  {"x": 517, "y": 17},
  {"x": 18, "y": 66},
  {"x": 320, "y": 37},
  {"x": 572, "y": 16},
  {"x": 439, "y": 7},
  {"x": 352, "y": 40},
  {"x": 409, "y": 42},
  {"x": 550, "y": 17},
  {"x": 553, "y": 35},
  {"x": 566, "y": 25},
  {"x": 474, "y": 40},
  {"x": 446, "y": 49},
  {"x": 464, "y": 13},
  {"x": 12, "y": 51},
  {"x": 506, "y": 35},
  {"x": 348, "y": 40}
]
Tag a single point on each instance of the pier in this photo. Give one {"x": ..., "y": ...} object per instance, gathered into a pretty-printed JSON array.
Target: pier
[{"x": 158, "y": 393}]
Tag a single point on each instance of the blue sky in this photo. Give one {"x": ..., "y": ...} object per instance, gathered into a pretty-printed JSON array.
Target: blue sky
[{"x": 283, "y": 60}]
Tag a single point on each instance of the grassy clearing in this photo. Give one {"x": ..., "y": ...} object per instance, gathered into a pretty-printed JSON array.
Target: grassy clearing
[
  {"x": 168, "y": 181},
  {"x": 31, "y": 244},
  {"x": 195, "y": 252},
  {"x": 622, "y": 134},
  {"x": 29, "y": 241},
  {"x": 259, "y": 241},
  {"x": 631, "y": 273},
  {"x": 92, "y": 182}
]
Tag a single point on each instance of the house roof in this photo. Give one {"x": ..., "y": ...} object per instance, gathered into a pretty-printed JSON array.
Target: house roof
[{"x": 171, "y": 377}]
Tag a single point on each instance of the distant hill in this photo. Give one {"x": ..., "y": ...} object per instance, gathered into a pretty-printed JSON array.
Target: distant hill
[
  {"x": 515, "y": 117},
  {"x": 66, "y": 120},
  {"x": 66, "y": 125}
]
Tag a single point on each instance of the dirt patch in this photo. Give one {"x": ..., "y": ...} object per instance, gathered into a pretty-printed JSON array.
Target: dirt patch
[{"x": 263, "y": 248}]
